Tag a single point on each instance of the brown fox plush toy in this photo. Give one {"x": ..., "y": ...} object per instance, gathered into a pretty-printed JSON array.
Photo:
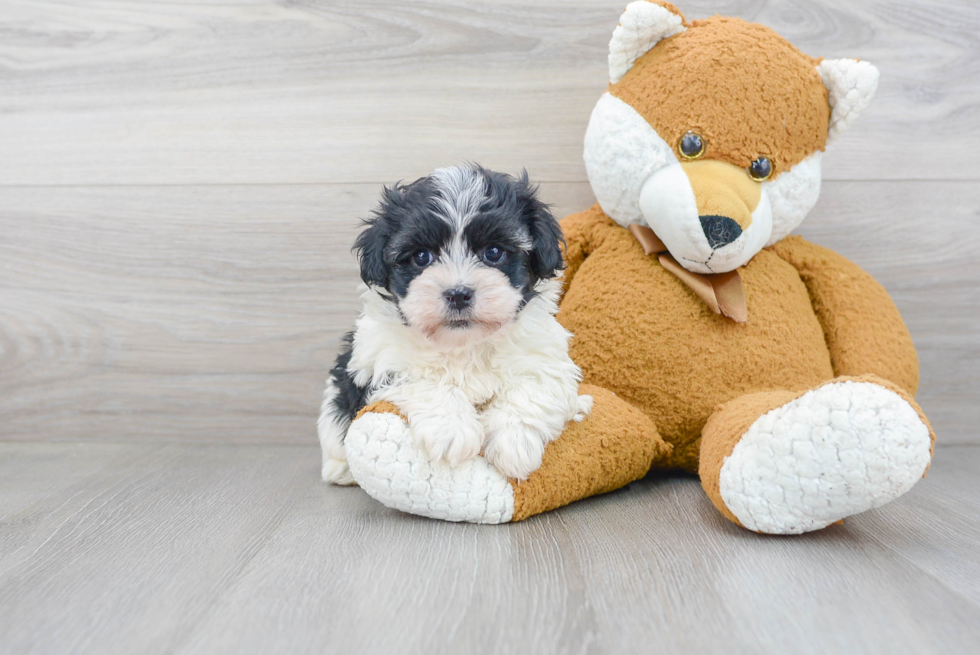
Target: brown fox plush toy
[{"x": 710, "y": 339}]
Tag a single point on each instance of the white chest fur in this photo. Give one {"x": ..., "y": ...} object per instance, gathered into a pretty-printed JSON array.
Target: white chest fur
[{"x": 388, "y": 355}]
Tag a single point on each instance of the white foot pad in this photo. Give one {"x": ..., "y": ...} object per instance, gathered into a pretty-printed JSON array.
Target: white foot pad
[
  {"x": 838, "y": 450},
  {"x": 387, "y": 464}
]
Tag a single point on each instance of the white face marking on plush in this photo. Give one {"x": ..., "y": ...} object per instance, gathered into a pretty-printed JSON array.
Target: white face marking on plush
[
  {"x": 793, "y": 194},
  {"x": 669, "y": 208},
  {"x": 621, "y": 152},
  {"x": 637, "y": 178}
]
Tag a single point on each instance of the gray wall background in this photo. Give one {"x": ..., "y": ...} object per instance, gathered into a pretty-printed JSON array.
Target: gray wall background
[{"x": 180, "y": 183}]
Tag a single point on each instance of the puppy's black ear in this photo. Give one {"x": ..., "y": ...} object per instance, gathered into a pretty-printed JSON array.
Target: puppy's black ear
[
  {"x": 370, "y": 244},
  {"x": 547, "y": 240}
]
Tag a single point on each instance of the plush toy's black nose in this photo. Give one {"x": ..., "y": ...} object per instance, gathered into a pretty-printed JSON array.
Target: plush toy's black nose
[
  {"x": 720, "y": 230},
  {"x": 459, "y": 298}
]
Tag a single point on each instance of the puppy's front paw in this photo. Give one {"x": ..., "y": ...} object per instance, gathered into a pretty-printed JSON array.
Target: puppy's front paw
[
  {"x": 514, "y": 449},
  {"x": 455, "y": 439},
  {"x": 336, "y": 471}
]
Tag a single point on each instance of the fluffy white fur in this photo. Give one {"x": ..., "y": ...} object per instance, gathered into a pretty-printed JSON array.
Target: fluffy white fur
[
  {"x": 495, "y": 303},
  {"x": 492, "y": 375},
  {"x": 504, "y": 385},
  {"x": 510, "y": 394},
  {"x": 331, "y": 434}
]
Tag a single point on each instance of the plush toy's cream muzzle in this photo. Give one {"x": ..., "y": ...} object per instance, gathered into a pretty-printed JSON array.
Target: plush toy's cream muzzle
[{"x": 711, "y": 216}]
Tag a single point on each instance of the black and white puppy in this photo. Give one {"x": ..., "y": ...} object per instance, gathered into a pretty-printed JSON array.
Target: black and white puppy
[{"x": 458, "y": 328}]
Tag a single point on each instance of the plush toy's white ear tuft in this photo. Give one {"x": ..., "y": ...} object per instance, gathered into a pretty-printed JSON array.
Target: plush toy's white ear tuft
[
  {"x": 852, "y": 85},
  {"x": 641, "y": 27}
]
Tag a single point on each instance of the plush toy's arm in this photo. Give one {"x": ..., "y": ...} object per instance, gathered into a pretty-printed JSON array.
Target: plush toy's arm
[
  {"x": 579, "y": 230},
  {"x": 864, "y": 331}
]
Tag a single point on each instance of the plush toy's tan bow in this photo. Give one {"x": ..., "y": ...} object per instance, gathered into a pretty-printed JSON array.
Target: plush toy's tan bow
[{"x": 722, "y": 292}]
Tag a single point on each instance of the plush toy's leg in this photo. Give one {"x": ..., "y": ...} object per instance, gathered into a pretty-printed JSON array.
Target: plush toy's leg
[
  {"x": 615, "y": 445},
  {"x": 784, "y": 462}
]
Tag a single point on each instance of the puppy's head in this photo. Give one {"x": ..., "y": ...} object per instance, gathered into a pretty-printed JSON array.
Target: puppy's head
[{"x": 460, "y": 252}]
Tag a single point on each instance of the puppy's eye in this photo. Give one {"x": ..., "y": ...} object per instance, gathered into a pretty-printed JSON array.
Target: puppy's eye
[
  {"x": 760, "y": 169},
  {"x": 422, "y": 258},
  {"x": 494, "y": 254},
  {"x": 691, "y": 146}
]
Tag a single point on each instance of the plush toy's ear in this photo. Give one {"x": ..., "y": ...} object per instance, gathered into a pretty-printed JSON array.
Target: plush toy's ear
[
  {"x": 852, "y": 85},
  {"x": 641, "y": 27}
]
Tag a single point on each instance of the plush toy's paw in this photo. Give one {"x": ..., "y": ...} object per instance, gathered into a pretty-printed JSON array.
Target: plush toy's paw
[
  {"x": 452, "y": 438},
  {"x": 583, "y": 407},
  {"x": 841, "y": 449},
  {"x": 513, "y": 448},
  {"x": 386, "y": 462},
  {"x": 336, "y": 471}
]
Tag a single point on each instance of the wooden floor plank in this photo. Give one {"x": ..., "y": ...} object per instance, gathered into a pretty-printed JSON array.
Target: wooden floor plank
[
  {"x": 129, "y": 92},
  {"x": 937, "y": 530},
  {"x": 213, "y": 313},
  {"x": 219, "y": 549},
  {"x": 128, "y": 560}
]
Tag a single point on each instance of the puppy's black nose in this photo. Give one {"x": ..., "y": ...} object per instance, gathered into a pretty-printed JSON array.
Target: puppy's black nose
[
  {"x": 459, "y": 298},
  {"x": 720, "y": 230}
]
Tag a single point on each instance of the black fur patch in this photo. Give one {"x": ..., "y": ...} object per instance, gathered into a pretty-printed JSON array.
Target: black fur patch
[
  {"x": 406, "y": 221},
  {"x": 511, "y": 213},
  {"x": 409, "y": 219},
  {"x": 350, "y": 398}
]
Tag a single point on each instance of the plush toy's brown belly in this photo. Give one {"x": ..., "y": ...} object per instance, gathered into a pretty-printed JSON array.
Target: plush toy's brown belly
[{"x": 641, "y": 333}]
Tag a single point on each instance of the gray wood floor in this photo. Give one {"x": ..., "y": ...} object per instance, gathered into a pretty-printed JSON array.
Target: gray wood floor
[
  {"x": 179, "y": 186},
  {"x": 179, "y": 548}
]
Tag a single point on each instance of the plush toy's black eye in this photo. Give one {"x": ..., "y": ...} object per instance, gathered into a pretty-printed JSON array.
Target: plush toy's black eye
[
  {"x": 760, "y": 169},
  {"x": 494, "y": 254},
  {"x": 691, "y": 146},
  {"x": 422, "y": 258}
]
